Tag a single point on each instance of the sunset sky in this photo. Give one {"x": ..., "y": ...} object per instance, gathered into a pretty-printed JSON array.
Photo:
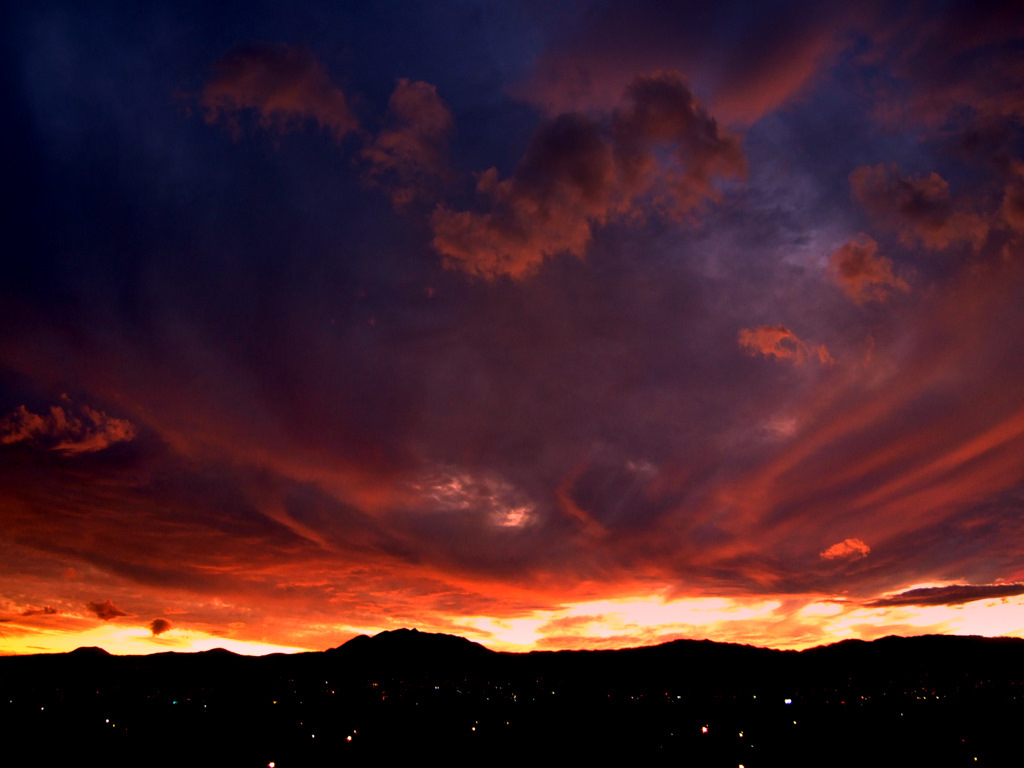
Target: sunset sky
[{"x": 548, "y": 324}]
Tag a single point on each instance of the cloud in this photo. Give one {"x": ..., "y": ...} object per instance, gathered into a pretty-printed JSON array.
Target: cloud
[
  {"x": 285, "y": 86},
  {"x": 862, "y": 274},
  {"x": 920, "y": 209},
  {"x": 780, "y": 342},
  {"x": 852, "y": 549},
  {"x": 1012, "y": 208},
  {"x": 750, "y": 60},
  {"x": 45, "y": 611},
  {"x": 662, "y": 151},
  {"x": 663, "y": 112},
  {"x": 106, "y": 610},
  {"x": 562, "y": 187},
  {"x": 953, "y": 594},
  {"x": 159, "y": 626},
  {"x": 63, "y": 431},
  {"x": 961, "y": 65},
  {"x": 409, "y": 157}
]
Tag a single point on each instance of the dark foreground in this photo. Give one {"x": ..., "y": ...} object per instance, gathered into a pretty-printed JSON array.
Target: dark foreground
[{"x": 407, "y": 696}]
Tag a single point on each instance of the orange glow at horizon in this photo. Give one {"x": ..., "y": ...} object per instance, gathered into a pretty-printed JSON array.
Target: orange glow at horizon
[{"x": 789, "y": 623}]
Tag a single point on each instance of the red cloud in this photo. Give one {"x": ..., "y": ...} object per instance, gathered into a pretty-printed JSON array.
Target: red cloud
[
  {"x": 964, "y": 63},
  {"x": 106, "y": 610},
  {"x": 563, "y": 185},
  {"x": 285, "y": 86},
  {"x": 863, "y": 274},
  {"x": 664, "y": 112},
  {"x": 919, "y": 208},
  {"x": 61, "y": 430},
  {"x": 1012, "y": 209},
  {"x": 579, "y": 172},
  {"x": 782, "y": 52},
  {"x": 778, "y": 341},
  {"x": 410, "y": 155},
  {"x": 853, "y": 549}
]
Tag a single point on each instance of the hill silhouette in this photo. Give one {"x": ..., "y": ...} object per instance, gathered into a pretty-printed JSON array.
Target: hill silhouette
[{"x": 939, "y": 700}]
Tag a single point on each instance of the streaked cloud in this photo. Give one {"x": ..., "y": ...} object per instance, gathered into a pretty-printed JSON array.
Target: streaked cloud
[{"x": 952, "y": 594}]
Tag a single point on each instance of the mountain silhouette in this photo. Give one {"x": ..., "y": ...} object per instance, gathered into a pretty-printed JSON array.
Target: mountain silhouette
[{"x": 403, "y": 694}]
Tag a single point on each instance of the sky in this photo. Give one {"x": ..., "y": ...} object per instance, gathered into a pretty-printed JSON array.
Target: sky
[{"x": 586, "y": 324}]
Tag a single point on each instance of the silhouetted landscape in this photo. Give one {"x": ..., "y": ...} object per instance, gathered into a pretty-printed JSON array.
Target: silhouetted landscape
[{"x": 405, "y": 695}]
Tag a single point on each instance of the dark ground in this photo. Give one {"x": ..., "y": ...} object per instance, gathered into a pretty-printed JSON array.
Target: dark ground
[{"x": 405, "y": 696}]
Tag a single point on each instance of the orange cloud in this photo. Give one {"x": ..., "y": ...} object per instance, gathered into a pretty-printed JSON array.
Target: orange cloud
[
  {"x": 780, "y": 342},
  {"x": 847, "y": 549},
  {"x": 863, "y": 274},
  {"x": 283, "y": 85},
  {"x": 60, "y": 430},
  {"x": 920, "y": 209},
  {"x": 410, "y": 155},
  {"x": 579, "y": 172}
]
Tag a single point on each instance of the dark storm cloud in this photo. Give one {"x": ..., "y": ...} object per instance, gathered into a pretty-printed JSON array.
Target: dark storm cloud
[
  {"x": 106, "y": 610},
  {"x": 580, "y": 173},
  {"x": 954, "y": 594},
  {"x": 283, "y": 85}
]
